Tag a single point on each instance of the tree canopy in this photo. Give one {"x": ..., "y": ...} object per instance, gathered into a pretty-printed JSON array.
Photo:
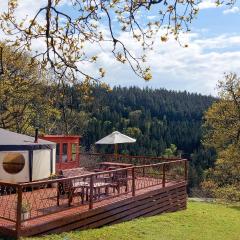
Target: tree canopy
[
  {"x": 222, "y": 126},
  {"x": 25, "y": 101},
  {"x": 222, "y": 131}
]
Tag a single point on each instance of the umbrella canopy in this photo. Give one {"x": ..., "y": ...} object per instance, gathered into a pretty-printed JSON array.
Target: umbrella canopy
[{"x": 115, "y": 138}]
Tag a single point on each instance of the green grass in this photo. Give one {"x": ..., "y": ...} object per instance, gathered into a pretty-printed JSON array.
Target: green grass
[{"x": 201, "y": 221}]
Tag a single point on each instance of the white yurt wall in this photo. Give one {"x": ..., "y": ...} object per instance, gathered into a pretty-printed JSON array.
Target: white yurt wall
[{"x": 42, "y": 166}]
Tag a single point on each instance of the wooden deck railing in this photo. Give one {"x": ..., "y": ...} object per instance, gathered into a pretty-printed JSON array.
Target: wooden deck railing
[
  {"x": 46, "y": 197},
  {"x": 90, "y": 160}
]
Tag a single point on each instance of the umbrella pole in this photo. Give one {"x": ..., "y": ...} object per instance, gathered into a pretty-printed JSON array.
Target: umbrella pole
[{"x": 116, "y": 151}]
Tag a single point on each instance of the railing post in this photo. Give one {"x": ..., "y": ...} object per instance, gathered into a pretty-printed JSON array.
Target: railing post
[
  {"x": 164, "y": 176},
  {"x": 133, "y": 182},
  {"x": 186, "y": 170},
  {"x": 19, "y": 210},
  {"x": 91, "y": 193}
]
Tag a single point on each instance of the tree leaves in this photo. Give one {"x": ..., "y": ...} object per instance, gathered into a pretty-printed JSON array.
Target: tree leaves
[
  {"x": 25, "y": 102},
  {"x": 66, "y": 32},
  {"x": 222, "y": 131}
]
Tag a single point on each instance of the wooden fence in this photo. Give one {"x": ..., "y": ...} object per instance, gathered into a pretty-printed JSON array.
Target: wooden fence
[{"x": 90, "y": 160}]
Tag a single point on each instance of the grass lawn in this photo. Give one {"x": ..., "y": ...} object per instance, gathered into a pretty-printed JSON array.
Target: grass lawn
[{"x": 205, "y": 221}]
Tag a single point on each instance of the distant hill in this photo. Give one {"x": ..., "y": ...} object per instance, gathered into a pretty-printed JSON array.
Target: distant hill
[{"x": 156, "y": 118}]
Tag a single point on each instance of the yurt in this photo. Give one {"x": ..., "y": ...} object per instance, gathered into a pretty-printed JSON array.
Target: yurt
[{"x": 24, "y": 158}]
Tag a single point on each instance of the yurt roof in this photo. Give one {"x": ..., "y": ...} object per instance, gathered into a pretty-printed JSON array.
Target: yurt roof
[{"x": 8, "y": 138}]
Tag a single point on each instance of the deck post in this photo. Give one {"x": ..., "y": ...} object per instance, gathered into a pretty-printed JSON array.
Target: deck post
[
  {"x": 133, "y": 182},
  {"x": 91, "y": 193},
  {"x": 186, "y": 170},
  {"x": 19, "y": 210},
  {"x": 164, "y": 176}
]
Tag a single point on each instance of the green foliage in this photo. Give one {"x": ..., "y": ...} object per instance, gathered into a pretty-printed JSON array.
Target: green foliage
[
  {"x": 222, "y": 128},
  {"x": 228, "y": 192},
  {"x": 223, "y": 181},
  {"x": 25, "y": 101},
  {"x": 25, "y": 207},
  {"x": 201, "y": 221},
  {"x": 222, "y": 120},
  {"x": 157, "y": 118},
  {"x": 201, "y": 159},
  {"x": 171, "y": 151}
]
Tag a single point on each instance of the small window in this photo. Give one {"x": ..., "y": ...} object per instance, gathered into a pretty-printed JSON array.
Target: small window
[
  {"x": 58, "y": 153},
  {"x": 74, "y": 152},
  {"x": 64, "y": 155},
  {"x": 13, "y": 163}
]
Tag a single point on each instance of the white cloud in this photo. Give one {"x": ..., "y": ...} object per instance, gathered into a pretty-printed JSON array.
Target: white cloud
[
  {"x": 205, "y": 4},
  {"x": 195, "y": 69},
  {"x": 232, "y": 10},
  {"x": 219, "y": 42}
]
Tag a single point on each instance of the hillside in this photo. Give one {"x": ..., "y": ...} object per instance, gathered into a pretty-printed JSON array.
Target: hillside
[
  {"x": 156, "y": 118},
  {"x": 201, "y": 221}
]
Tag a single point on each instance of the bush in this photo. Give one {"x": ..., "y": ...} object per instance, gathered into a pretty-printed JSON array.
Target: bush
[
  {"x": 208, "y": 188},
  {"x": 223, "y": 181},
  {"x": 229, "y": 193}
]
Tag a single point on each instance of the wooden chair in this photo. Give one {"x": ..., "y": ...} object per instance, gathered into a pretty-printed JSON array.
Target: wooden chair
[
  {"x": 119, "y": 179},
  {"x": 65, "y": 188}
]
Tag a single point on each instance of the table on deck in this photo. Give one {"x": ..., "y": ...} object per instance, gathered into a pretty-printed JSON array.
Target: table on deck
[
  {"x": 107, "y": 165},
  {"x": 84, "y": 188}
]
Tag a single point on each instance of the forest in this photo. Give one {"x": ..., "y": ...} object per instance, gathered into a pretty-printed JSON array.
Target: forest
[{"x": 157, "y": 118}]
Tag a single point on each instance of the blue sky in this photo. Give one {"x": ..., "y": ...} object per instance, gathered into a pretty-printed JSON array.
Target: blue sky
[
  {"x": 217, "y": 21},
  {"x": 214, "y": 48}
]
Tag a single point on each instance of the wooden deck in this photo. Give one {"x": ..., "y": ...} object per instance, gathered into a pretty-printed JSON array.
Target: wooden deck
[{"x": 148, "y": 194}]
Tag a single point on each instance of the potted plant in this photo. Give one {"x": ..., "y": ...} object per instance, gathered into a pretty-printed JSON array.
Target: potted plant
[
  {"x": 25, "y": 211},
  {"x": 52, "y": 177}
]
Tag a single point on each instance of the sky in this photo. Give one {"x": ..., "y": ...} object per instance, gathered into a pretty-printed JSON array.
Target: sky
[{"x": 213, "y": 49}]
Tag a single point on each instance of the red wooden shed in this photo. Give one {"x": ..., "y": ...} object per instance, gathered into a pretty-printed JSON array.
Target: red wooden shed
[{"x": 67, "y": 152}]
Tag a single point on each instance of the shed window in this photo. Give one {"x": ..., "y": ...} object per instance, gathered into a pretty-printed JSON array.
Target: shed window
[
  {"x": 13, "y": 163},
  {"x": 58, "y": 153},
  {"x": 65, "y": 150},
  {"x": 74, "y": 151}
]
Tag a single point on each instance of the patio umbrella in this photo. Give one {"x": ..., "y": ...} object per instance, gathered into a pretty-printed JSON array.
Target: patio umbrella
[{"x": 116, "y": 138}]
